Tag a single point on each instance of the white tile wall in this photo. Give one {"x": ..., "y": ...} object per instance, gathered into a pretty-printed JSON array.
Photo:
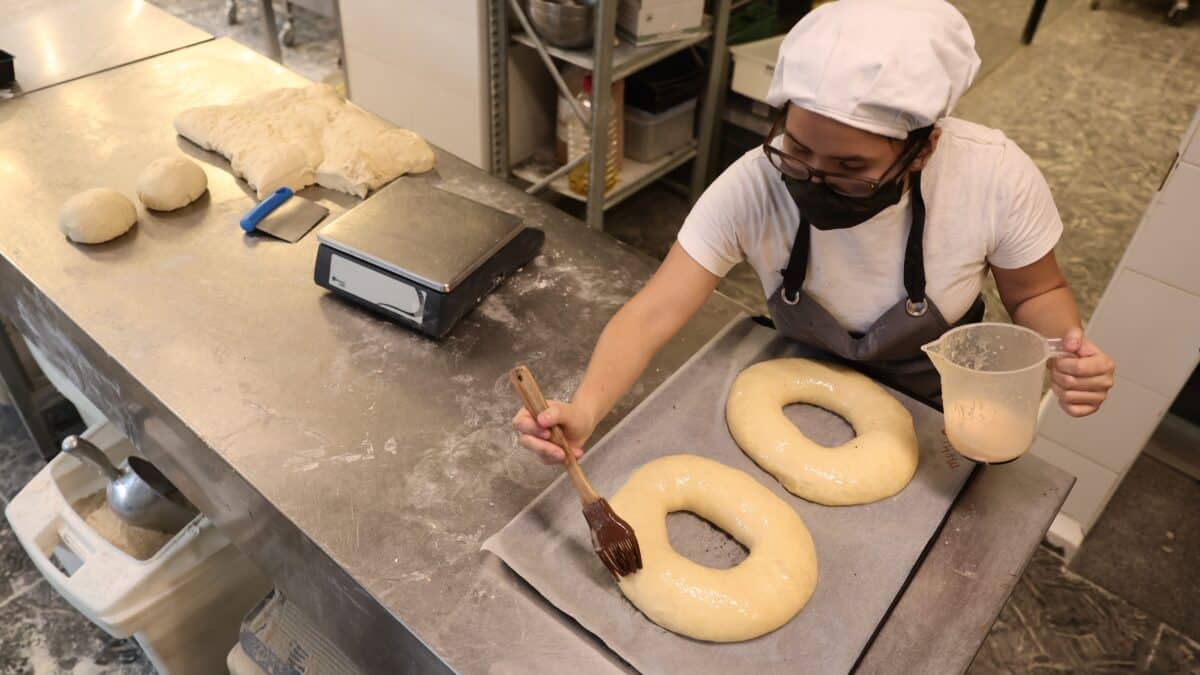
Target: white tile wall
[
  {"x": 1150, "y": 329},
  {"x": 1149, "y": 322},
  {"x": 1168, "y": 241},
  {"x": 1093, "y": 488},
  {"x": 1114, "y": 435}
]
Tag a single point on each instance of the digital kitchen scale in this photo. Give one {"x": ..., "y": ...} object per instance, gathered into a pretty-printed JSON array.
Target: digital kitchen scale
[{"x": 421, "y": 256}]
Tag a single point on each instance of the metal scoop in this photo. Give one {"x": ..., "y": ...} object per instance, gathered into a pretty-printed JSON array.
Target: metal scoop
[{"x": 138, "y": 492}]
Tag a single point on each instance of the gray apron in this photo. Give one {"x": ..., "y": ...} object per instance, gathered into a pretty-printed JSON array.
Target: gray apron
[{"x": 890, "y": 349}]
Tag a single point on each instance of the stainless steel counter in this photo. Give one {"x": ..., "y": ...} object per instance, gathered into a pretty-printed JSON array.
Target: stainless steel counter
[
  {"x": 357, "y": 463},
  {"x": 54, "y": 41}
]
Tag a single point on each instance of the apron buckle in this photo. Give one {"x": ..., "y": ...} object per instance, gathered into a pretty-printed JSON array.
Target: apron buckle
[
  {"x": 793, "y": 300},
  {"x": 916, "y": 308}
]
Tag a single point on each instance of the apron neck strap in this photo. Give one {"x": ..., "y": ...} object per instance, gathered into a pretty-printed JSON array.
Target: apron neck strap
[
  {"x": 797, "y": 267},
  {"x": 914, "y": 250},
  {"x": 914, "y": 255}
]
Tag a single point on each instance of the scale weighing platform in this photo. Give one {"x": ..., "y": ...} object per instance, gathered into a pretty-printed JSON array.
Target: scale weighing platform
[{"x": 421, "y": 256}]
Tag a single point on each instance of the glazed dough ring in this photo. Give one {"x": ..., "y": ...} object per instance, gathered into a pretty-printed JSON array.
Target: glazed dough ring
[
  {"x": 753, "y": 598},
  {"x": 877, "y": 463}
]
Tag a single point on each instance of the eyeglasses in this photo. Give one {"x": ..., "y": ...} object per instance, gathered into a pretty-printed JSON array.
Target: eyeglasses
[{"x": 794, "y": 167}]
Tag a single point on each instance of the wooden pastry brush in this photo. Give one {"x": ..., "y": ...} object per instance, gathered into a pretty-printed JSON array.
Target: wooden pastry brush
[{"x": 612, "y": 538}]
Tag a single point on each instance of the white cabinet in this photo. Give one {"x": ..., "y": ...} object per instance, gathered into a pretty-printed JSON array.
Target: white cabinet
[{"x": 422, "y": 66}]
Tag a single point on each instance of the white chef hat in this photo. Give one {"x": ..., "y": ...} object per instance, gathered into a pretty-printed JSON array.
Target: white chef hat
[{"x": 885, "y": 66}]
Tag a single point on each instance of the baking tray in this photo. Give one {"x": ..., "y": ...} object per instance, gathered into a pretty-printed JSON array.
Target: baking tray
[{"x": 865, "y": 553}]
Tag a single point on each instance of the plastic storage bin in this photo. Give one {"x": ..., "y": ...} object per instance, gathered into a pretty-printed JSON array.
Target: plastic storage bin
[
  {"x": 183, "y": 605},
  {"x": 645, "y": 22},
  {"x": 649, "y": 136},
  {"x": 755, "y": 20},
  {"x": 754, "y": 67},
  {"x": 666, "y": 84}
]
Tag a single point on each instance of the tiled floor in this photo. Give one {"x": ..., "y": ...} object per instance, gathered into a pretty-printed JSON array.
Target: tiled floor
[
  {"x": 1152, "y": 523},
  {"x": 997, "y": 26},
  {"x": 1059, "y": 621},
  {"x": 316, "y": 50},
  {"x": 1099, "y": 101}
]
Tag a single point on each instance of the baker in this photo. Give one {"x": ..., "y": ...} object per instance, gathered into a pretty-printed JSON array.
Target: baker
[{"x": 871, "y": 218}]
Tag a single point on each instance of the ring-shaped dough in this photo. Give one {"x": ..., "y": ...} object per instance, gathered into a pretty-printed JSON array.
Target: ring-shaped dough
[
  {"x": 754, "y": 597},
  {"x": 877, "y": 463}
]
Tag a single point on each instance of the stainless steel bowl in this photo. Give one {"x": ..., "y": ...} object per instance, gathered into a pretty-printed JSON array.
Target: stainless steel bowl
[{"x": 567, "y": 25}]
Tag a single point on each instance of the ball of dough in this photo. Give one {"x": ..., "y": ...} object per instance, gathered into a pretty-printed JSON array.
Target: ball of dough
[
  {"x": 750, "y": 599},
  {"x": 171, "y": 183},
  {"x": 877, "y": 463},
  {"x": 96, "y": 216}
]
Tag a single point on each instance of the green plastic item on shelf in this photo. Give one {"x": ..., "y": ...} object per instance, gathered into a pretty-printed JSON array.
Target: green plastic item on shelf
[{"x": 755, "y": 20}]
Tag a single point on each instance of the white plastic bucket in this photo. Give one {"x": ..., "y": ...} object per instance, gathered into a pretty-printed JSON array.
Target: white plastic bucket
[{"x": 183, "y": 605}]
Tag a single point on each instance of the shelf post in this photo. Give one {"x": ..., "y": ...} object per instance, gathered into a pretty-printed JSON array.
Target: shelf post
[
  {"x": 497, "y": 88},
  {"x": 602, "y": 108},
  {"x": 714, "y": 97}
]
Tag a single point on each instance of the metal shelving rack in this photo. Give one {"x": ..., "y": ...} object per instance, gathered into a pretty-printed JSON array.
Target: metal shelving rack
[{"x": 607, "y": 64}]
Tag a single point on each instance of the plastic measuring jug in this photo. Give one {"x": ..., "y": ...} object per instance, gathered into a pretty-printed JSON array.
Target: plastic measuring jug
[{"x": 992, "y": 375}]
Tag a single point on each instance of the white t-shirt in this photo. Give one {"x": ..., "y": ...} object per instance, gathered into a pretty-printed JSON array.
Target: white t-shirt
[{"x": 986, "y": 202}]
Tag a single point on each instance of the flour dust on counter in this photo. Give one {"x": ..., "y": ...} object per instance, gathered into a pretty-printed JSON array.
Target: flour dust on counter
[{"x": 494, "y": 308}]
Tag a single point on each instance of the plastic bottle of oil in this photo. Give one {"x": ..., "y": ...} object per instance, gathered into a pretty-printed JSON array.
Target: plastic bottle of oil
[{"x": 578, "y": 143}]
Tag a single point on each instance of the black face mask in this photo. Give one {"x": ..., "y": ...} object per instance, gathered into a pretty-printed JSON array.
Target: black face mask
[{"x": 825, "y": 209}]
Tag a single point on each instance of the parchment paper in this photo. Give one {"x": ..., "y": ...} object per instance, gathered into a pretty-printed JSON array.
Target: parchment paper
[{"x": 865, "y": 553}]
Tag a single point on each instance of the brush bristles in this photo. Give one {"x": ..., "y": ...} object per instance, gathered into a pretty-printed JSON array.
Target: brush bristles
[{"x": 613, "y": 539}]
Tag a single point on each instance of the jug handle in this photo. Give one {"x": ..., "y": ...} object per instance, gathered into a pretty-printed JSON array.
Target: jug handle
[{"x": 1055, "y": 348}]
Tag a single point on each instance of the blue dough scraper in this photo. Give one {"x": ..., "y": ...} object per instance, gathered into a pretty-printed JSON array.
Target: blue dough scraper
[{"x": 284, "y": 215}]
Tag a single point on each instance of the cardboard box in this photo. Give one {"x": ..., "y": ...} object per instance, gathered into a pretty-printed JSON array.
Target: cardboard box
[{"x": 650, "y": 21}]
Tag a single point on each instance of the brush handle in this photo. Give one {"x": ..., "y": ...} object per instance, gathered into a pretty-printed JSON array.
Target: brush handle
[{"x": 531, "y": 395}]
